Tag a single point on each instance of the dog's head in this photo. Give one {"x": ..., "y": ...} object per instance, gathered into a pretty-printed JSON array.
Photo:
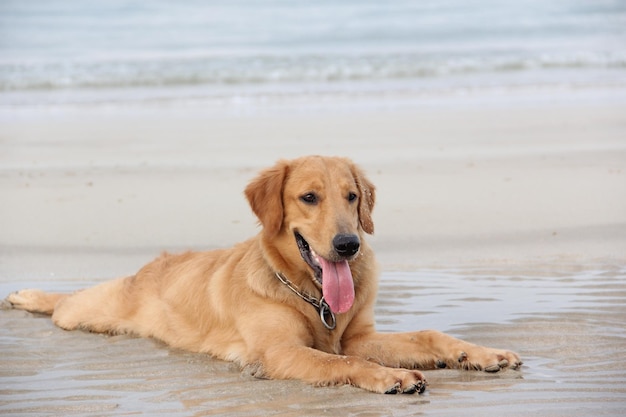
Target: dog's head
[{"x": 323, "y": 205}]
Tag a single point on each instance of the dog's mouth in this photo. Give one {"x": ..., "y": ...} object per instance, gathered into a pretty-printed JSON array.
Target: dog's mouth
[
  {"x": 335, "y": 278},
  {"x": 310, "y": 257}
]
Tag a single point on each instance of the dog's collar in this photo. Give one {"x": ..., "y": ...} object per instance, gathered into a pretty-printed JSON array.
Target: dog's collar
[{"x": 326, "y": 314}]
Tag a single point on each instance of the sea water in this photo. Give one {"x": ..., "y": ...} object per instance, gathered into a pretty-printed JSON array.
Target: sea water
[{"x": 59, "y": 52}]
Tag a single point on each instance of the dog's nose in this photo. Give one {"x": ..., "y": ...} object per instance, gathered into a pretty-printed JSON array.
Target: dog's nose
[{"x": 346, "y": 245}]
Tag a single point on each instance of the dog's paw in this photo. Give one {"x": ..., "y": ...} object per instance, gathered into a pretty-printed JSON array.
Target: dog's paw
[
  {"x": 487, "y": 359},
  {"x": 394, "y": 381},
  {"x": 21, "y": 299},
  {"x": 5, "y": 304},
  {"x": 29, "y": 300},
  {"x": 417, "y": 387}
]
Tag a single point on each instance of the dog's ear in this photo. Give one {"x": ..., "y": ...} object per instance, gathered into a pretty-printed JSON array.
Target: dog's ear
[
  {"x": 265, "y": 195},
  {"x": 366, "y": 202}
]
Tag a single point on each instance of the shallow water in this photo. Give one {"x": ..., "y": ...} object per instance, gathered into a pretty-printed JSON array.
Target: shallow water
[
  {"x": 567, "y": 321},
  {"x": 232, "y": 53}
]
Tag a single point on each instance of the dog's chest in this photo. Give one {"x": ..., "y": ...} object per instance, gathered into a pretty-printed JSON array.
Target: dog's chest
[{"x": 328, "y": 341}]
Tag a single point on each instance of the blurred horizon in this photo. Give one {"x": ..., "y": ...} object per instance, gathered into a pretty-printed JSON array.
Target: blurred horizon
[{"x": 75, "y": 52}]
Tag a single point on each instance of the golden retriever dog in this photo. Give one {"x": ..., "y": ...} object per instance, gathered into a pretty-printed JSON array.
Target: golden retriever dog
[{"x": 294, "y": 302}]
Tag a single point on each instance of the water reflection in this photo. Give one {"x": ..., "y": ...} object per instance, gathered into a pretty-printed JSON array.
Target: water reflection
[{"x": 568, "y": 323}]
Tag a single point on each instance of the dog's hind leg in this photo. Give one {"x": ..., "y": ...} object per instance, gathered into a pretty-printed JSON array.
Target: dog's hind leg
[
  {"x": 104, "y": 308},
  {"x": 35, "y": 301}
]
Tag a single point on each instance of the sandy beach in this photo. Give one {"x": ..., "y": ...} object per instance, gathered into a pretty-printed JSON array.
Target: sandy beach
[{"x": 501, "y": 221}]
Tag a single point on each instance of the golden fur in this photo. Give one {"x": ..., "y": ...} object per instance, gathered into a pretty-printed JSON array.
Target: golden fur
[{"x": 229, "y": 303}]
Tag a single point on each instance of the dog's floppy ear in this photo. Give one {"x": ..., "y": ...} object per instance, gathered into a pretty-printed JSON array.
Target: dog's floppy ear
[
  {"x": 366, "y": 202},
  {"x": 265, "y": 195}
]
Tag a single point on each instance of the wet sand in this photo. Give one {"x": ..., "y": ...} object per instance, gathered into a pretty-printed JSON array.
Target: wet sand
[
  {"x": 567, "y": 322},
  {"x": 502, "y": 225}
]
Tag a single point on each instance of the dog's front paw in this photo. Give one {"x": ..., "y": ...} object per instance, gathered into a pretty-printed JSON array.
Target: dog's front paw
[
  {"x": 487, "y": 359},
  {"x": 393, "y": 381}
]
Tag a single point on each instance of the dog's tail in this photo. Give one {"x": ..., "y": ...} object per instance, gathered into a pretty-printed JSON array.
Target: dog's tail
[{"x": 35, "y": 301}]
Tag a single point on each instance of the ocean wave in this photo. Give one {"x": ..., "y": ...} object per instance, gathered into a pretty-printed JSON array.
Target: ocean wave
[{"x": 166, "y": 72}]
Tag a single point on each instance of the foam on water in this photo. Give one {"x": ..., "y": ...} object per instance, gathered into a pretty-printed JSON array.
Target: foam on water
[{"x": 247, "y": 48}]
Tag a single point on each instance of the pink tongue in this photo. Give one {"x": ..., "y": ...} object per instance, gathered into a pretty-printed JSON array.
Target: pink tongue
[{"x": 337, "y": 285}]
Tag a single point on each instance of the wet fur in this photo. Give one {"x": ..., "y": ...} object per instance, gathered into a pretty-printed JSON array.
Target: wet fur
[{"x": 229, "y": 303}]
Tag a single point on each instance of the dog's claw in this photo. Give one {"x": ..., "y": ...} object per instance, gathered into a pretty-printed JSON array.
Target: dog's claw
[
  {"x": 440, "y": 364},
  {"x": 393, "y": 390},
  {"x": 411, "y": 390},
  {"x": 419, "y": 387},
  {"x": 492, "y": 368}
]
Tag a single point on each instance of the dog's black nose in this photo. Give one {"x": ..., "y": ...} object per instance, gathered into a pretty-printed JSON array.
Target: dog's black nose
[{"x": 346, "y": 245}]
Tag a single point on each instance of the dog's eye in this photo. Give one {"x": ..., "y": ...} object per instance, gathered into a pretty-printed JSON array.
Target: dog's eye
[
  {"x": 352, "y": 197},
  {"x": 309, "y": 198}
]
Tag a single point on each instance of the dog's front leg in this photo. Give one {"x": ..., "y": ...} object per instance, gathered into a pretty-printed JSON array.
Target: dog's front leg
[
  {"x": 428, "y": 349},
  {"x": 320, "y": 368}
]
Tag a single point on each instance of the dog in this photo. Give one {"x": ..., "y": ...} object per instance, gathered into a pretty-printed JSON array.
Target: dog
[{"x": 294, "y": 302}]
